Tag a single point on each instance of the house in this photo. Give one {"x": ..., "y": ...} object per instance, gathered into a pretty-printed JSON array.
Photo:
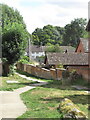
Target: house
[
  {"x": 88, "y": 26},
  {"x": 67, "y": 49},
  {"x": 83, "y": 46},
  {"x": 70, "y": 61},
  {"x": 38, "y": 51}
]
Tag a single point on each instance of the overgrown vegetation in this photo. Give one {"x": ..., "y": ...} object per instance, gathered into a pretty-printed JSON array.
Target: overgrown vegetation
[{"x": 73, "y": 78}]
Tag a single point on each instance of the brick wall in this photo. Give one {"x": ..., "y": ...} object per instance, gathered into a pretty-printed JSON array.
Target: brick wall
[
  {"x": 41, "y": 72},
  {"x": 80, "y": 48},
  {"x": 84, "y": 71}
]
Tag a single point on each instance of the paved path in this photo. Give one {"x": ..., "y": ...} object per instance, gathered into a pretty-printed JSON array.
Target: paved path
[
  {"x": 11, "y": 106},
  {"x": 29, "y": 78}
]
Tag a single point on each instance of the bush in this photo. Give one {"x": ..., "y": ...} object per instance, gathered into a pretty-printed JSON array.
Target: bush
[
  {"x": 65, "y": 74},
  {"x": 74, "y": 76},
  {"x": 24, "y": 60}
]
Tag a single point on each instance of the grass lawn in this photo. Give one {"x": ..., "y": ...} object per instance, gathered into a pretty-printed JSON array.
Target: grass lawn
[
  {"x": 4, "y": 86},
  {"x": 42, "y": 102}
]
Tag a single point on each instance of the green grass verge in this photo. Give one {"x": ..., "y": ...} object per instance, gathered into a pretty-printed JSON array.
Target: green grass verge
[
  {"x": 42, "y": 102},
  {"x": 4, "y": 86}
]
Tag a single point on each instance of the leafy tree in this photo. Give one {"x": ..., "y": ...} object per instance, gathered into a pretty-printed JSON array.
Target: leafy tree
[
  {"x": 14, "y": 36},
  {"x": 74, "y": 31},
  {"x": 49, "y": 34},
  {"x": 53, "y": 48}
]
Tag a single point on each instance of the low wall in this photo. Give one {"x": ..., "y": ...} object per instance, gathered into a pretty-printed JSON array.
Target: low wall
[
  {"x": 41, "y": 72},
  {"x": 84, "y": 71}
]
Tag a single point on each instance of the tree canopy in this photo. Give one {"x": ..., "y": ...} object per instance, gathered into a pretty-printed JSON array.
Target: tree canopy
[
  {"x": 68, "y": 35},
  {"x": 74, "y": 31},
  {"x": 49, "y": 34},
  {"x": 14, "y": 34}
]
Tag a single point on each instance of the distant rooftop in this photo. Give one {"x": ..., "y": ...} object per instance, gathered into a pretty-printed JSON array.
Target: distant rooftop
[
  {"x": 35, "y": 48},
  {"x": 67, "y": 58}
]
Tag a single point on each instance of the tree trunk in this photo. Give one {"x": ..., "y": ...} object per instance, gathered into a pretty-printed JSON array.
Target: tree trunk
[{"x": 6, "y": 69}]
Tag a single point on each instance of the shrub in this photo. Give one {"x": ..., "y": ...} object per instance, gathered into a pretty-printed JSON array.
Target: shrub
[
  {"x": 24, "y": 60},
  {"x": 74, "y": 76},
  {"x": 65, "y": 74}
]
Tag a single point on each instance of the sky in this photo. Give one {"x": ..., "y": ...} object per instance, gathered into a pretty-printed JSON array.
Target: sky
[{"x": 38, "y": 13}]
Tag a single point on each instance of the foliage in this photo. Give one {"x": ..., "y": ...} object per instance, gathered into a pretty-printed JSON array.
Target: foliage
[
  {"x": 65, "y": 74},
  {"x": 14, "y": 34},
  {"x": 68, "y": 35},
  {"x": 24, "y": 60},
  {"x": 49, "y": 34},
  {"x": 14, "y": 40},
  {"x": 40, "y": 59},
  {"x": 74, "y": 31},
  {"x": 60, "y": 66},
  {"x": 74, "y": 76},
  {"x": 53, "y": 48}
]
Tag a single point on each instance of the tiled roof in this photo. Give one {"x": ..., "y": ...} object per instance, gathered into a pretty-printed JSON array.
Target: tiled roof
[
  {"x": 68, "y": 48},
  {"x": 35, "y": 48},
  {"x": 67, "y": 58}
]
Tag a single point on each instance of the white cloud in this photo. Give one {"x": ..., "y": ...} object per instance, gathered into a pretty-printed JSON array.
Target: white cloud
[{"x": 49, "y": 11}]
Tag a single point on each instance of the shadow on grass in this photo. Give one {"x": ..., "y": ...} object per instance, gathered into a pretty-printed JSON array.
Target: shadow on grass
[
  {"x": 80, "y": 99},
  {"x": 76, "y": 99},
  {"x": 26, "y": 84},
  {"x": 57, "y": 84}
]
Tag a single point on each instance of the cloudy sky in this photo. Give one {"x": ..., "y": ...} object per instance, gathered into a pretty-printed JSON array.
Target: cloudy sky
[{"x": 38, "y": 13}]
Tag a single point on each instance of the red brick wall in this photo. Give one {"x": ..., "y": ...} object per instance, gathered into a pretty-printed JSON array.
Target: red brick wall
[
  {"x": 41, "y": 72},
  {"x": 80, "y": 48},
  {"x": 84, "y": 71}
]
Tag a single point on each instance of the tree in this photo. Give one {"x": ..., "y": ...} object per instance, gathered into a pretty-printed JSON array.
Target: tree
[
  {"x": 14, "y": 36},
  {"x": 49, "y": 34},
  {"x": 74, "y": 31},
  {"x": 53, "y": 48}
]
